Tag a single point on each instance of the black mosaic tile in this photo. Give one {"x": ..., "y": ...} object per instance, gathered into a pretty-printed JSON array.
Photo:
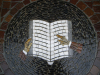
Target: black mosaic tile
[{"x": 50, "y": 10}]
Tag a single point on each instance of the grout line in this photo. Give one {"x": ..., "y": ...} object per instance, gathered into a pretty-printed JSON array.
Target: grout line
[
  {"x": 2, "y": 30},
  {"x": 85, "y": 9},
  {"x": 77, "y": 2},
  {"x": 13, "y": 1},
  {"x": 97, "y": 22},
  {"x": 1, "y": 12},
  {"x": 96, "y": 5}
]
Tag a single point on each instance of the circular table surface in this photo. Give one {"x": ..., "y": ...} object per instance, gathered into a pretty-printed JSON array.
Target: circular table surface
[{"x": 82, "y": 32}]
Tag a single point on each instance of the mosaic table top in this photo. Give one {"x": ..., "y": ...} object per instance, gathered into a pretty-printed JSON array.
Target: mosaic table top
[{"x": 50, "y": 11}]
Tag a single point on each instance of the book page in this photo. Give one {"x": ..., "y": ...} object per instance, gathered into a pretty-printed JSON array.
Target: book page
[
  {"x": 40, "y": 39},
  {"x": 57, "y": 50}
]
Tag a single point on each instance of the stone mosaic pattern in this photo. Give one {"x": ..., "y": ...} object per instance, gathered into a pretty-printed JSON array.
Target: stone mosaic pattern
[
  {"x": 90, "y": 8},
  {"x": 17, "y": 34}
]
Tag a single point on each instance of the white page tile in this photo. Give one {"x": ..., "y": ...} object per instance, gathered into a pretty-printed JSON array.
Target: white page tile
[
  {"x": 34, "y": 45},
  {"x": 40, "y": 54},
  {"x": 60, "y": 31},
  {"x": 52, "y": 56},
  {"x": 60, "y": 50},
  {"x": 56, "y": 55},
  {"x": 56, "y": 51},
  {"x": 52, "y": 26},
  {"x": 56, "y": 43},
  {"x": 48, "y": 56},
  {"x": 61, "y": 28},
  {"x": 44, "y": 51},
  {"x": 52, "y": 45},
  {"x": 44, "y": 56},
  {"x": 66, "y": 53},
  {"x": 34, "y": 52},
  {"x": 57, "y": 29},
  {"x": 58, "y": 21},
  {"x": 36, "y": 49},
  {"x": 55, "y": 22},
  {"x": 36, "y": 42},
  {"x": 35, "y": 21},
  {"x": 44, "y": 48},
  {"x": 47, "y": 24},
  {"x": 52, "y": 49},
  {"x": 37, "y": 38},
  {"x": 61, "y": 54}
]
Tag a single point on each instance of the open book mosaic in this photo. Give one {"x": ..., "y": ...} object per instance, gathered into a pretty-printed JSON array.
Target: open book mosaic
[
  {"x": 50, "y": 11},
  {"x": 45, "y": 40}
]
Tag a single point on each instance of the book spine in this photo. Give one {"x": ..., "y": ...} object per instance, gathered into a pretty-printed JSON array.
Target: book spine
[{"x": 50, "y": 39}]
